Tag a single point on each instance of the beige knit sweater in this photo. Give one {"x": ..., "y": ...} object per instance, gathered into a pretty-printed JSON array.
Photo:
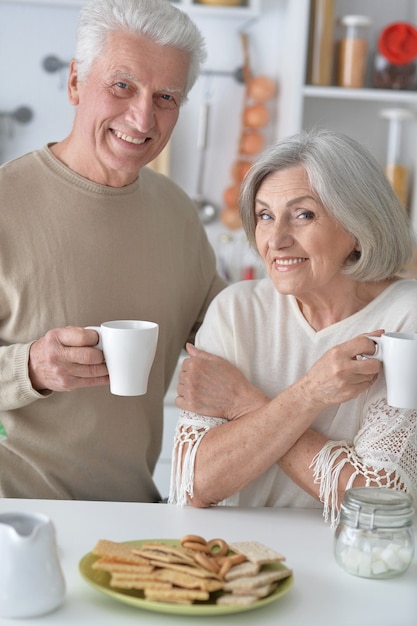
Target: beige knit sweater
[{"x": 76, "y": 253}]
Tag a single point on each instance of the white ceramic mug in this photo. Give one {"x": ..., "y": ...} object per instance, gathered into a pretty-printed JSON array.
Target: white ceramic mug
[
  {"x": 398, "y": 353},
  {"x": 129, "y": 348}
]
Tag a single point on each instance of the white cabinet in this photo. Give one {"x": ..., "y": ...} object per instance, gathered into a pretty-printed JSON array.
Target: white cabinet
[{"x": 353, "y": 111}]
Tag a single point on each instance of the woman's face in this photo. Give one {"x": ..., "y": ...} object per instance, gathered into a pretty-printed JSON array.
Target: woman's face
[{"x": 303, "y": 247}]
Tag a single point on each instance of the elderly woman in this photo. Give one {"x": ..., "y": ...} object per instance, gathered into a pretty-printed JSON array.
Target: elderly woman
[{"x": 302, "y": 415}]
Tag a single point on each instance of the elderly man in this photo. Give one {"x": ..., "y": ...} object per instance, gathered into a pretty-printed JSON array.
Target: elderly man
[{"x": 89, "y": 234}]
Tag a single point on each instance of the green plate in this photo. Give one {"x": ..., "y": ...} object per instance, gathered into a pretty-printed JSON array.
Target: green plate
[{"x": 100, "y": 581}]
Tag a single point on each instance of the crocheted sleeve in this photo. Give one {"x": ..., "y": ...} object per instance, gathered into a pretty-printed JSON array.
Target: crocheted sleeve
[
  {"x": 189, "y": 433},
  {"x": 384, "y": 452}
]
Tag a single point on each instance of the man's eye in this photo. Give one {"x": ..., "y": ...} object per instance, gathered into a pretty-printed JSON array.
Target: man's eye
[
  {"x": 121, "y": 85},
  {"x": 166, "y": 101}
]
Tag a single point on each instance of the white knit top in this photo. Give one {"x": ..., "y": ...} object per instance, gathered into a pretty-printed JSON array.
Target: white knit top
[{"x": 266, "y": 336}]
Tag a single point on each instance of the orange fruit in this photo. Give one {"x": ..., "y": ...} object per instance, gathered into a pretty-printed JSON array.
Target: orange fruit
[
  {"x": 251, "y": 142},
  {"x": 261, "y": 88},
  {"x": 231, "y": 219},
  {"x": 256, "y": 116}
]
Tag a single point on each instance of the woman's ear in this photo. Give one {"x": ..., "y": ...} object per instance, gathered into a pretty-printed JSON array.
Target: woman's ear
[{"x": 357, "y": 253}]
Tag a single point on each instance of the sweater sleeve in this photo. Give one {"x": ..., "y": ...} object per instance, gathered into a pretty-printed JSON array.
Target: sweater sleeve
[
  {"x": 15, "y": 386},
  {"x": 189, "y": 433},
  {"x": 383, "y": 452}
]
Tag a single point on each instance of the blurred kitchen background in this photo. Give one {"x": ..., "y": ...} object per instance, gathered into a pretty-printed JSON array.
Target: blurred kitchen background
[{"x": 272, "y": 68}]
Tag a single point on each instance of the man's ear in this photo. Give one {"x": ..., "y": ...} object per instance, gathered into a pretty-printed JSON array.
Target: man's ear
[{"x": 73, "y": 95}]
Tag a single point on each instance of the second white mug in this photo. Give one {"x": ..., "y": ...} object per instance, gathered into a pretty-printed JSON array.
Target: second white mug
[
  {"x": 129, "y": 348},
  {"x": 398, "y": 353}
]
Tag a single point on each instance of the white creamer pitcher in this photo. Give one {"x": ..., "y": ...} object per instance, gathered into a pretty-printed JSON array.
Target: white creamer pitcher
[{"x": 31, "y": 579}]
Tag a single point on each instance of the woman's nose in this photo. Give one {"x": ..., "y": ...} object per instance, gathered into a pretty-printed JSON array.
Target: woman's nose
[{"x": 280, "y": 237}]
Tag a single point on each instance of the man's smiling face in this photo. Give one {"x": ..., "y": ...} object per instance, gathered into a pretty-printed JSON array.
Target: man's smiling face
[{"x": 127, "y": 107}]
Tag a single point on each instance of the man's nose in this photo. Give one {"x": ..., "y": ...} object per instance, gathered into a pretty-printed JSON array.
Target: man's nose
[{"x": 141, "y": 113}]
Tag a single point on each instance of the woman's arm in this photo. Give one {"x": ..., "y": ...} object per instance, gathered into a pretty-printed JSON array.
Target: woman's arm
[
  {"x": 210, "y": 385},
  {"x": 238, "y": 451}
]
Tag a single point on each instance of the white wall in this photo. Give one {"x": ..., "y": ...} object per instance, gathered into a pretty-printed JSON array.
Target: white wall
[{"x": 29, "y": 33}]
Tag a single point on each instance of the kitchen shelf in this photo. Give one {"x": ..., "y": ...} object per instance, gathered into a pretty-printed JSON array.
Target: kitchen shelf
[
  {"x": 249, "y": 8},
  {"x": 368, "y": 95}
]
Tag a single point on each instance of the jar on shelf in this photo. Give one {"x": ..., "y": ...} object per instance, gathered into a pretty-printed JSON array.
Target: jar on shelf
[
  {"x": 320, "y": 57},
  {"x": 375, "y": 535},
  {"x": 353, "y": 51},
  {"x": 395, "y": 65},
  {"x": 396, "y": 168}
]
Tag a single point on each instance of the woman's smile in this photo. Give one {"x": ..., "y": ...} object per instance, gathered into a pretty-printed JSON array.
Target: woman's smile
[{"x": 283, "y": 264}]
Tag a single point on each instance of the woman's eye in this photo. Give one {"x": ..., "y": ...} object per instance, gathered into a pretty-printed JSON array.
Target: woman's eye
[
  {"x": 263, "y": 217},
  {"x": 306, "y": 215}
]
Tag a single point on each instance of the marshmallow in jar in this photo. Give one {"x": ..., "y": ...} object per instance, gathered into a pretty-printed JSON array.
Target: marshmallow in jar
[{"x": 375, "y": 535}]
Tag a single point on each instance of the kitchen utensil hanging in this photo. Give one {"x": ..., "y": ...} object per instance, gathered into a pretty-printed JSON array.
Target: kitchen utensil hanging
[{"x": 207, "y": 210}]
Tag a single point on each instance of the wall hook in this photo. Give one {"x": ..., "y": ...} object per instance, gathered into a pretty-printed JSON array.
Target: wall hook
[
  {"x": 21, "y": 115},
  {"x": 52, "y": 64},
  {"x": 237, "y": 74}
]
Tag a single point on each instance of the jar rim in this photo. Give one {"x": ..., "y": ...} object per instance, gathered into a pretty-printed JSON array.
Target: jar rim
[
  {"x": 355, "y": 20},
  {"x": 370, "y": 507}
]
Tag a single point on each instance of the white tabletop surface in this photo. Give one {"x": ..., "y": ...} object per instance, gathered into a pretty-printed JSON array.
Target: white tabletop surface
[{"x": 322, "y": 594}]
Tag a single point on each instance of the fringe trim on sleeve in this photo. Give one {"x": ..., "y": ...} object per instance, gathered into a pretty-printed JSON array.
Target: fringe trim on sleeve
[
  {"x": 189, "y": 433},
  {"x": 327, "y": 466}
]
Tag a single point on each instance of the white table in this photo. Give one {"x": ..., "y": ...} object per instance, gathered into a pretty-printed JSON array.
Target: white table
[{"x": 322, "y": 594}]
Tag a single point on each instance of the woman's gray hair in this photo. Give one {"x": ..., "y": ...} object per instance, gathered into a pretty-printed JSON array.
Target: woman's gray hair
[
  {"x": 352, "y": 187},
  {"x": 157, "y": 19}
]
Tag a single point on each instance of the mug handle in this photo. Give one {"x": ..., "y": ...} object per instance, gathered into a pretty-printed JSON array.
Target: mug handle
[
  {"x": 99, "y": 344},
  {"x": 378, "y": 349}
]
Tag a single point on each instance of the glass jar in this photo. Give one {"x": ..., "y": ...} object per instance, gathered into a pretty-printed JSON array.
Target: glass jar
[
  {"x": 320, "y": 57},
  {"x": 375, "y": 535},
  {"x": 353, "y": 51},
  {"x": 395, "y": 64},
  {"x": 396, "y": 168}
]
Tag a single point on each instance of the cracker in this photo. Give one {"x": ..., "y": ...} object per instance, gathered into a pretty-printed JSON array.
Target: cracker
[
  {"x": 109, "y": 565},
  {"x": 176, "y": 595},
  {"x": 251, "y": 582},
  {"x": 256, "y": 552},
  {"x": 181, "y": 579},
  {"x": 243, "y": 569},
  {"x": 259, "y": 592},
  {"x": 188, "y": 569},
  {"x": 119, "y": 552},
  {"x": 122, "y": 581},
  {"x": 229, "y": 599},
  {"x": 164, "y": 553}
]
